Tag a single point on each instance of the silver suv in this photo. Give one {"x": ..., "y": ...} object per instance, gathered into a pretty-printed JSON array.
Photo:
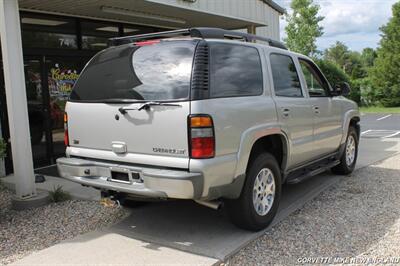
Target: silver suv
[{"x": 207, "y": 115}]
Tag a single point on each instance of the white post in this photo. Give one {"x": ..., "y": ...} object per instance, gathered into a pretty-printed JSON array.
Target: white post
[{"x": 14, "y": 78}]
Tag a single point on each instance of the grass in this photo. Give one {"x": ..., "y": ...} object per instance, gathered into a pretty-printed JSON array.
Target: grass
[
  {"x": 380, "y": 110},
  {"x": 59, "y": 195}
]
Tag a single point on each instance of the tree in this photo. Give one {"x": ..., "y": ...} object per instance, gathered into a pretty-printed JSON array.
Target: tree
[
  {"x": 332, "y": 72},
  {"x": 335, "y": 75},
  {"x": 385, "y": 74},
  {"x": 349, "y": 61},
  {"x": 337, "y": 53},
  {"x": 303, "y": 27},
  {"x": 368, "y": 57}
]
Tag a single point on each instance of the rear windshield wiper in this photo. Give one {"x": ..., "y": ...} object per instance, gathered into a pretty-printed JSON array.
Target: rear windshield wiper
[
  {"x": 145, "y": 106},
  {"x": 112, "y": 100}
]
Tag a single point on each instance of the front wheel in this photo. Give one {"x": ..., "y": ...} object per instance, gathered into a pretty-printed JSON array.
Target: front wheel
[
  {"x": 349, "y": 157},
  {"x": 258, "y": 203}
]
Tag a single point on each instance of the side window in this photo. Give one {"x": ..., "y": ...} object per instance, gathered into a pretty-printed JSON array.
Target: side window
[
  {"x": 316, "y": 84},
  {"x": 284, "y": 74},
  {"x": 235, "y": 71}
]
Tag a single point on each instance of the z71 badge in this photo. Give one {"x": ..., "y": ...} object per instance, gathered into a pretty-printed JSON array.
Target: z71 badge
[{"x": 170, "y": 151}]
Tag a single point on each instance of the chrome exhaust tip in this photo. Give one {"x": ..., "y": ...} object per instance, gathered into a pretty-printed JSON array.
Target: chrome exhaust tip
[{"x": 216, "y": 205}]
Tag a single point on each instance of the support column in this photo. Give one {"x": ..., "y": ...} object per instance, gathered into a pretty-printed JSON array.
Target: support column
[
  {"x": 251, "y": 29},
  {"x": 17, "y": 107}
]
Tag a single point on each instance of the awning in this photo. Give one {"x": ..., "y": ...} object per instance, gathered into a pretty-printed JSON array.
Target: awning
[{"x": 142, "y": 12}]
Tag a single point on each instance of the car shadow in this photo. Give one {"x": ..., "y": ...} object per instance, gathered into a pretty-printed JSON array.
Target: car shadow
[{"x": 187, "y": 226}]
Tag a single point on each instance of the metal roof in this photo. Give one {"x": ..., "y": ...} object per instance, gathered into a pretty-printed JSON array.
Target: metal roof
[
  {"x": 275, "y": 6},
  {"x": 139, "y": 12}
]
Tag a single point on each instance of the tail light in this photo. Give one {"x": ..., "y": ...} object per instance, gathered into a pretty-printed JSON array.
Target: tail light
[
  {"x": 144, "y": 43},
  {"x": 66, "y": 137},
  {"x": 201, "y": 137}
]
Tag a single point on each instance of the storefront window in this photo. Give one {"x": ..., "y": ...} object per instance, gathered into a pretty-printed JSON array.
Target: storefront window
[
  {"x": 62, "y": 75},
  {"x": 43, "y": 32},
  {"x": 95, "y": 35},
  {"x": 55, "y": 50}
]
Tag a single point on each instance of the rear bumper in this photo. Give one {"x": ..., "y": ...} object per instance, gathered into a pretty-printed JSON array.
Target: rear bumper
[{"x": 153, "y": 183}]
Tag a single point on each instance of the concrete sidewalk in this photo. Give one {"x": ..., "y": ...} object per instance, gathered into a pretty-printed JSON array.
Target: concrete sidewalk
[{"x": 107, "y": 248}]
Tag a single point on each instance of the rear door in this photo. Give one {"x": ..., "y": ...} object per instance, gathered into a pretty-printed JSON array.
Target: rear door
[
  {"x": 128, "y": 77},
  {"x": 293, "y": 108}
]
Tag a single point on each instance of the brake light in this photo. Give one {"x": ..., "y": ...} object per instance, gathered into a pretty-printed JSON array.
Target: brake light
[
  {"x": 202, "y": 139},
  {"x": 144, "y": 43},
  {"x": 66, "y": 137}
]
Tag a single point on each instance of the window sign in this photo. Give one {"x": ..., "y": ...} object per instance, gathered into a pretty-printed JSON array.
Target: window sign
[{"x": 61, "y": 81}]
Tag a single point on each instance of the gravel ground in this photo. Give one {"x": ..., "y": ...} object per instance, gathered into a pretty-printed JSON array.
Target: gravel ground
[
  {"x": 23, "y": 232},
  {"x": 355, "y": 220}
]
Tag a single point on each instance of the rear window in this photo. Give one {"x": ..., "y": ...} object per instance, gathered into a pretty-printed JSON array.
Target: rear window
[{"x": 157, "y": 72}]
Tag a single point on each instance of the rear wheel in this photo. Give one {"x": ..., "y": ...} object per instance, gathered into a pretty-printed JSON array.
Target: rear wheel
[
  {"x": 349, "y": 156},
  {"x": 258, "y": 203}
]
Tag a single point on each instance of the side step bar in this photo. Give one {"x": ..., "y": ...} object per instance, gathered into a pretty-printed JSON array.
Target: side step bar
[{"x": 309, "y": 172}]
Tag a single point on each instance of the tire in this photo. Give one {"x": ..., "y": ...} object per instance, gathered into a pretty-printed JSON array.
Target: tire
[
  {"x": 243, "y": 211},
  {"x": 349, "y": 157}
]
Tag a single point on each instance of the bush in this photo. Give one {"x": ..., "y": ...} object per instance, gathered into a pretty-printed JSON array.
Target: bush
[
  {"x": 332, "y": 72},
  {"x": 59, "y": 195},
  {"x": 335, "y": 76}
]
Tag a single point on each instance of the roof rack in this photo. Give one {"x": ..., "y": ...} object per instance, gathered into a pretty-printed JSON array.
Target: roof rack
[{"x": 204, "y": 33}]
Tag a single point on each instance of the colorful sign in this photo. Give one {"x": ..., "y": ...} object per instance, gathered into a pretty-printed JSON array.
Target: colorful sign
[{"x": 61, "y": 82}]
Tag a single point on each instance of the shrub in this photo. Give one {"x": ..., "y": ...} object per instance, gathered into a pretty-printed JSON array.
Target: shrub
[
  {"x": 59, "y": 195},
  {"x": 335, "y": 76}
]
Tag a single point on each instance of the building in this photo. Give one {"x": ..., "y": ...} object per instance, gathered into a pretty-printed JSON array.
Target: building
[{"x": 60, "y": 36}]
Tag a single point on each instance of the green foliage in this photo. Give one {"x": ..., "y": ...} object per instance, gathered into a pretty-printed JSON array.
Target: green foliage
[
  {"x": 350, "y": 62},
  {"x": 385, "y": 74},
  {"x": 338, "y": 54},
  {"x": 303, "y": 27},
  {"x": 3, "y": 148},
  {"x": 380, "y": 109},
  {"x": 366, "y": 93},
  {"x": 332, "y": 72},
  {"x": 59, "y": 195},
  {"x": 368, "y": 57},
  {"x": 335, "y": 76}
]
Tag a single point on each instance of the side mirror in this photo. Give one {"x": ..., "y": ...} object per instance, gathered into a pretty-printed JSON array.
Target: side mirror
[{"x": 343, "y": 88}]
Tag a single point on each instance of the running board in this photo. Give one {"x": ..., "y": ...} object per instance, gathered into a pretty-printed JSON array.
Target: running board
[{"x": 310, "y": 172}]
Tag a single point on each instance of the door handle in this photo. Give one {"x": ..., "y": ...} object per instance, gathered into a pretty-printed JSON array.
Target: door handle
[
  {"x": 285, "y": 112},
  {"x": 316, "y": 109}
]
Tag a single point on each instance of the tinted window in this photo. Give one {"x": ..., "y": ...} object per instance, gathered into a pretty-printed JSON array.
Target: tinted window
[
  {"x": 152, "y": 72},
  {"x": 286, "y": 80},
  {"x": 235, "y": 71},
  {"x": 316, "y": 84}
]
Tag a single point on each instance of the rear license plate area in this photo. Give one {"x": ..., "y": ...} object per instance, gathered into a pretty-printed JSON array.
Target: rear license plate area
[{"x": 120, "y": 177}]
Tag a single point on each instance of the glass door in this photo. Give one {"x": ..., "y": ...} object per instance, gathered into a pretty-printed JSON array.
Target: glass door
[
  {"x": 37, "y": 110},
  {"x": 62, "y": 74}
]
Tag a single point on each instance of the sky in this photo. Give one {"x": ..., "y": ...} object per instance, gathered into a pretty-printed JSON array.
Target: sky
[{"x": 353, "y": 22}]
